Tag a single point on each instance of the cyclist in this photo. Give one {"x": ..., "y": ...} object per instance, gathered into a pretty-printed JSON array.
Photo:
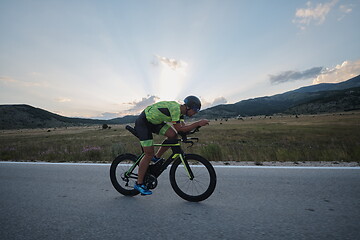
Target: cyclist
[{"x": 156, "y": 118}]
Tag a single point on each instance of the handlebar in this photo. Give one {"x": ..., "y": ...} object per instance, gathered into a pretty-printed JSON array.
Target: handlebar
[
  {"x": 184, "y": 135},
  {"x": 185, "y": 139}
]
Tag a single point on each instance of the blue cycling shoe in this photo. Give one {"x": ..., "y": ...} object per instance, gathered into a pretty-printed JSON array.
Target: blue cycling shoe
[
  {"x": 142, "y": 189},
  {"x": 155, "y": 159}
]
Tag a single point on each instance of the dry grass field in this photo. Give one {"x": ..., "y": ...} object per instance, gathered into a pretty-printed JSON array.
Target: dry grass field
[{"x": 327, "y": 137}]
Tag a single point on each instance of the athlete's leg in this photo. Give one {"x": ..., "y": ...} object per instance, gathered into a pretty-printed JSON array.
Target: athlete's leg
[
  {"x": 170, "y": 134},
  {"x": 146, "y": 140},
  {"x": 144, "y": 163}
]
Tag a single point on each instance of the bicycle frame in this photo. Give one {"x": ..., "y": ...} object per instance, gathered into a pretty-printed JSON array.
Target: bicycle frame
[
  {"x": 124, "y": 171},
  {"x": 177, "y": 152}
]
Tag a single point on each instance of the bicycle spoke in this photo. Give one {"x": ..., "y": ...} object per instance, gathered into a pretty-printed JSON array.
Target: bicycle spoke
[
  {"x": 120, "y": 179},
  {"x": 196, "y": 186}
]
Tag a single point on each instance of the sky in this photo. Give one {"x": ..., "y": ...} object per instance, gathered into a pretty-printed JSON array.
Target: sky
[{"x": 110, "y": 58}]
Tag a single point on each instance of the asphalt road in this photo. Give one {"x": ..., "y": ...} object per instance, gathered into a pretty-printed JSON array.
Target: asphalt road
[{"x": 51, "y": 201}]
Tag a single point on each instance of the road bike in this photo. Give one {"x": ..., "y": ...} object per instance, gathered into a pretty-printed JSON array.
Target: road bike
[{"x": 192, "y": 177}]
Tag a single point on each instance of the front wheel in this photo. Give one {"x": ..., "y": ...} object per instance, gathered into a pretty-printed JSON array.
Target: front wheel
[{"x": 201, "y": 186}]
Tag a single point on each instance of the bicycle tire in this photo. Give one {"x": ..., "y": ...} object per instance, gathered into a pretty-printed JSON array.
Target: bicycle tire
[
  {"x": 203, "y": 184},
  {"x": 118, "y": 167}
]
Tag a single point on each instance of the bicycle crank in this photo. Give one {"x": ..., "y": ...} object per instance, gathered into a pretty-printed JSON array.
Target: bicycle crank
[{"x": 150, "y": 181}]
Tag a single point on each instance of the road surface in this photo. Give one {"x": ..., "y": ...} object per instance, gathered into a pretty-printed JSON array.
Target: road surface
[{"x": 77, "y": 201}]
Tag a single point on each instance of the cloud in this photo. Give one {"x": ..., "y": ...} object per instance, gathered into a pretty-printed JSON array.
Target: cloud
[
  {"x": 62, "y": 99},
  {"x": 345, "y": 9},
  {"x": 107, "y": 115},
  {"x": 215, "y": 102},
  {"x": 219, "y": 100},
  {"x": 170, "y": 62},
  {"x": 289, "y": 76},
  {"x": 138, "y": 106},
  {"x": 339, "y": 73},
  {"x": 7, "y": 80},
  {"x": 305, "y": 16},
  {"x": 12, "y": 81}
]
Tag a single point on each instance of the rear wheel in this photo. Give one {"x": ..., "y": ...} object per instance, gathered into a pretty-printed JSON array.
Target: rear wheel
[
  {"x": 199, "y": 188},
  {"x": 124, "y": 184}
]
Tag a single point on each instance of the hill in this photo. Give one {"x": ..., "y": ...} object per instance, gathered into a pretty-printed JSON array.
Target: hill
[
  {"x": 25, "y": 116},
  {"x": 321, "y": 98},
  {"x": 344, "y": 96},
  {"x": 330, "y": 101},
  {"x": 351, "y": 83}
]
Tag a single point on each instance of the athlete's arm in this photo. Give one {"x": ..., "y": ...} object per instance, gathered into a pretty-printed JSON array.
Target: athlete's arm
[{"x": 182, "y": 127}]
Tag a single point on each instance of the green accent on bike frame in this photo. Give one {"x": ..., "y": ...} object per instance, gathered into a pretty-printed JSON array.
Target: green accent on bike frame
[
  {"x": 134, "y": 165},
  {"x": 176, "y": 155},
  {"x": 183, "y": 162},
  {"x": 167, "y": 145},
  {"x": 147, "y": 143},
  {"x": 142, "y": 155}
]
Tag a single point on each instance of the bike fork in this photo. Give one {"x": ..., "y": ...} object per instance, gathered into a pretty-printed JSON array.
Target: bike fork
[{"x": 187, "y": 167}]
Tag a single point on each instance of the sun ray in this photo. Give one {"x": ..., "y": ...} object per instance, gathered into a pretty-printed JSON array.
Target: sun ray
[{"x": 172, "y": 78}]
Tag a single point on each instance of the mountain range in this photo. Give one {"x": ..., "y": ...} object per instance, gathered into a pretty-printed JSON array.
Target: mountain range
[
  {"x": 325, "y": 97},
  {"x": 321, "y": 98},
  {"x": 26, "y": 116}
]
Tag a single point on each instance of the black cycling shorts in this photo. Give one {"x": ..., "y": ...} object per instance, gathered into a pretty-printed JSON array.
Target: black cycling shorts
[{"x": 145, "y": 129}]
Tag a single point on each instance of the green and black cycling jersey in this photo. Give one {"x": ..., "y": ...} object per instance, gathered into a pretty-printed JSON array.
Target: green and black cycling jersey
[
  {"x": 154, "y": 119},
  {"x": 167, "y": 111}
]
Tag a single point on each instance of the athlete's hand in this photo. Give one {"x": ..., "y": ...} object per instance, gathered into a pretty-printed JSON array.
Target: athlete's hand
[{"x": 203, "y": 122}]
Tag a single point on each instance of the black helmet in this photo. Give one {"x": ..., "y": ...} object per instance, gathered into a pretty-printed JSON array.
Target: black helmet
[{"x": 193, "y": 102}]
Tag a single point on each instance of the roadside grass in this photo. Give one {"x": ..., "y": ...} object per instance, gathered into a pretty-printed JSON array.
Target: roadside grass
[
  {"x": 327, "y": 137},
  {"x": 66, "y": 145}
]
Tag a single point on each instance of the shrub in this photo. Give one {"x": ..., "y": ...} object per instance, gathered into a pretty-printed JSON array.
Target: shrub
[
  {"x": 212, "y": 152},
  {"x": 117, "y": 149},
  {"x": 91, "y": 153}
]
